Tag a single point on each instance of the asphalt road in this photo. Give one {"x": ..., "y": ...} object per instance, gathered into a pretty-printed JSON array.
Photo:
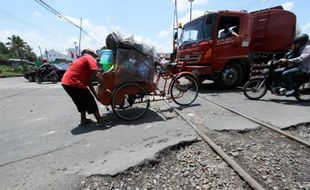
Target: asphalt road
[{"x": 43, "y": 147}]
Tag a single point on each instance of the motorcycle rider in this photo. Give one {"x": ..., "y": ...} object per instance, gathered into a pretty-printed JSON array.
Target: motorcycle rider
[{"x": 297, "y": 65}]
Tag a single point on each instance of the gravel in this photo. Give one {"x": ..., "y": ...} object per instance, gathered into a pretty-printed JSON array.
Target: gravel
[
  {"x": 273, "y": 160},
  {"x": 186, "y": 166},
  {"x": 301, "y": 131}
]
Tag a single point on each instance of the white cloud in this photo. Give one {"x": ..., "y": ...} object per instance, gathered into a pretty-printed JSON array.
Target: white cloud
[
  {"x": 288, "y": 5},
  {"x": 59, "y": 42},
  {"x": 306, "y": 28},
  {"x": 185, "y": 4},
  {"x": 195, "y": 14},
  {"x": 163, "y": 34},
  {"x": 37, "y": 13},
  {"x": 97, "y": 33}
]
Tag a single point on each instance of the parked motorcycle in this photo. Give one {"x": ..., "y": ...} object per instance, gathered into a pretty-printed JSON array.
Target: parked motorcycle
[
  {"x": 46, "y": 74},
  {"x": 263, "y": 78}
]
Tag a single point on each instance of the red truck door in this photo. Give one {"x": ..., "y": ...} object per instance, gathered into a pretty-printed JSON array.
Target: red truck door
[
  {"x": 231, "y": 42},
  {"x": 229, "y": 47}
]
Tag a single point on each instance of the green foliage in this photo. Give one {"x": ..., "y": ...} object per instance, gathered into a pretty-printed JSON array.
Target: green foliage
[
  {"x": 10, "y": 71},
  {"x": 16, "y": 48}
]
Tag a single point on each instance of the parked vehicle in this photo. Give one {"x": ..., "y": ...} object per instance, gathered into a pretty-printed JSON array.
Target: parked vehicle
[
  {"x": 226, "y": 60},
  {"x": 263, "y": 78},
  {"x": 60, "y": 69},
  {"x": 30, "y": 75},
  {"x": 46, "y": 73}
]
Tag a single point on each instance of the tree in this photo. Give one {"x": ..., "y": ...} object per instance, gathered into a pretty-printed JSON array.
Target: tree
[
  {"x": 17, "y": 45},
  {"x": 3, "y": 48},
  {"x": 4, "y": 53}
]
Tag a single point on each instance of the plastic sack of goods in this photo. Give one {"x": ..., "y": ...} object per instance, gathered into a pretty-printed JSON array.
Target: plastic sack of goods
[{"x": 134, "y": 60}]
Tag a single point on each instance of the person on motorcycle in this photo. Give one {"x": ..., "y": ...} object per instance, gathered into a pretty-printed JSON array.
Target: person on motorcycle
[
  {"x": 46, "y": 68},
  {"x": 297, "y": 65},
  {"x": 77, "y": 83}
]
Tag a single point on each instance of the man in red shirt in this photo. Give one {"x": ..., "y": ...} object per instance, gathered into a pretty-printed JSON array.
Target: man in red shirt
[{"x": 77, "y": 83}]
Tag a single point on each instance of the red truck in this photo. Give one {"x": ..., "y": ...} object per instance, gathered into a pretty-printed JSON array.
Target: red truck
[{"x": 253, "y": 37}]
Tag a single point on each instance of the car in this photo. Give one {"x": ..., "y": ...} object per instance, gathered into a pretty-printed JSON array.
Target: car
[
  {"x": 30, "y": 75},
  {"x": 59, "y": 67}
]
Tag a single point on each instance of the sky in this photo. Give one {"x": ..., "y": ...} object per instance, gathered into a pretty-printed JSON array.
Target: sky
[{"x": 149, "y": 20}]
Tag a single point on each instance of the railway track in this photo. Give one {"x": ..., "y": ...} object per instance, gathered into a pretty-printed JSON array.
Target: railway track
[{"x": 242, "y": 172}]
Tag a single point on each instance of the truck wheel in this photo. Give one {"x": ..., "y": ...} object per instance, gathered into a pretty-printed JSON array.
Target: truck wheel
[{"x": 231, "y": 76}]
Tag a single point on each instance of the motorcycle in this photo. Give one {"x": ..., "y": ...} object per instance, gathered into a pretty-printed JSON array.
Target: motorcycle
[
  {"x": 46, "y": 75},
  {"x": 263, "y": 78}
]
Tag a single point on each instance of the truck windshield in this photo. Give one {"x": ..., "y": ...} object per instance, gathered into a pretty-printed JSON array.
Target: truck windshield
[{"x": 198, "y": 30}]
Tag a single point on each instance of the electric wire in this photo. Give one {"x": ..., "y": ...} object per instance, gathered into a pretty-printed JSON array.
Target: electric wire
[
  {"x": 61, "y": 16},
  {"x": 11, "y": 17}
]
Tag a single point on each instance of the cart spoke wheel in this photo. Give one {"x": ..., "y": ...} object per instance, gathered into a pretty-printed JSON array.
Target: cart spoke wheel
[
  {"x": 184, "y": 89},
  {"x": 130, "y": 101}
]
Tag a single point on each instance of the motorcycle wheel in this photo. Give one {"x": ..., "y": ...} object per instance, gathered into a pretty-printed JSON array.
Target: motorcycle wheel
[
  {"x": 255, "y": 89},
  {"x": 54, "y": 78},
  {"x": 302, "y": 92}
]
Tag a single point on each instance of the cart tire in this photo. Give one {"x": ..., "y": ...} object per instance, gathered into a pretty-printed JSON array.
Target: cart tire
[
  {"x": 130, "y": 101},
  {"x": 184, "y": 89}
]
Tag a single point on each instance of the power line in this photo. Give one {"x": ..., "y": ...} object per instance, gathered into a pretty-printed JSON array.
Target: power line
[
  {"x": 61, "y": 16},
  {"x": 11, "y": 17}
]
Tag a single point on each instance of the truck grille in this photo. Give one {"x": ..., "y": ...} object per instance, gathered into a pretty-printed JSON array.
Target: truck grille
[{"x": 190, "y": 58}]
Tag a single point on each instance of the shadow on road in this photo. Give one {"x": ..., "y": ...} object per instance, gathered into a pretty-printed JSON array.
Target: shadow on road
[
  {"x": 111, "y": 120},
  {"x": 180, "y": 108},
  {"x": 287, "y": 102},
  {"x": 214, "y": 89}
]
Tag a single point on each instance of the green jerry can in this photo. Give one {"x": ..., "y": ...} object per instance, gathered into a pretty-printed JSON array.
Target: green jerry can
[{"x": 106, "y": 60}]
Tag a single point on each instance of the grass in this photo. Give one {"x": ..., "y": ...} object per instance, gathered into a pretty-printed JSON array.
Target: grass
[{"x": 7, "y": 71}]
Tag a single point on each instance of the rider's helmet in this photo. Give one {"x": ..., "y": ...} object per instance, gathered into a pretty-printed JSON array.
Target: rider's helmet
[
  {"x": 302, "y": 39},
  {"x": 90, "y": 52}
]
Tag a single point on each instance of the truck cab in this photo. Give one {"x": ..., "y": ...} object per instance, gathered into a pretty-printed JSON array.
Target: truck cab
[{"x": 217, "y": 45}]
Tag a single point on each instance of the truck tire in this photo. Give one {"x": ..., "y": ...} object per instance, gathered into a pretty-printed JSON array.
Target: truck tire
[{"x": 231, "y": 76}]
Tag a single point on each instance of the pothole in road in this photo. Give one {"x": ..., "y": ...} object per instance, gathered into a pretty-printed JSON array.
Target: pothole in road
[{"x": 188, "y": 165}]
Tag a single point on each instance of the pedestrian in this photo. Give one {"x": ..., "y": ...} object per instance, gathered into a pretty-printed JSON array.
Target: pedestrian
[{"x": 77, "y": 83}]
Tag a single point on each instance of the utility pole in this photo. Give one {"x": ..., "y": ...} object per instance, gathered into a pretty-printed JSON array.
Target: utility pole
[
  {"x": 175, "y": 33},
  {"x": 76, "y": 50},
  {"x": 80, "y": 36},
  {"x": 40, "y": 53},
  {"x": 190, "y": 13}
]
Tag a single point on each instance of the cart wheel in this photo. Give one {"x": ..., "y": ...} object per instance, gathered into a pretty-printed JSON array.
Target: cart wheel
[
  {"x": 184, "y": 89},
  {"x": 130, "y": 101}
]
